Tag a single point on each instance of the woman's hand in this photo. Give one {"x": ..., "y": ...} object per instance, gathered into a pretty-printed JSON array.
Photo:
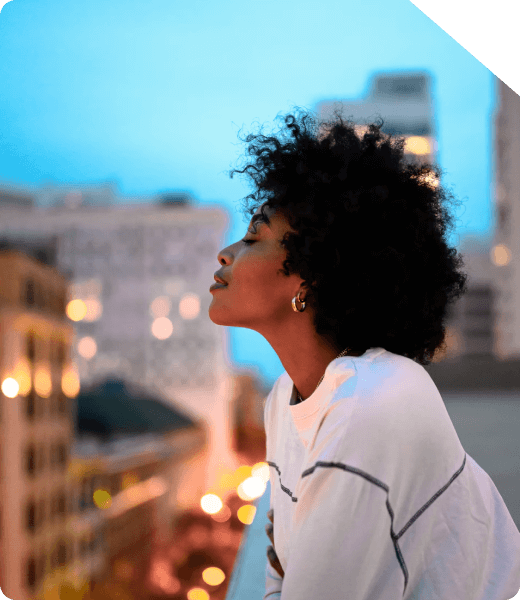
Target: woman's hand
[{"x": 271, "y": 554}]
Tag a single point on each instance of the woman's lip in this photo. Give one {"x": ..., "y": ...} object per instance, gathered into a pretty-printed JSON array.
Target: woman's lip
[{"x": 217, "y": 286}]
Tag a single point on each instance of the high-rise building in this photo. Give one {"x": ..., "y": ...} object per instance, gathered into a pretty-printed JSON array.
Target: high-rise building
[
  {"x": 38, "y": 383},
  {"x": 405, "y": 103},
  {"x": 505, "y": 251}
]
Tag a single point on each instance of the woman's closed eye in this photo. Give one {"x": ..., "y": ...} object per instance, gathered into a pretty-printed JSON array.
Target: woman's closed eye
[{"x": 249, "y": 241}]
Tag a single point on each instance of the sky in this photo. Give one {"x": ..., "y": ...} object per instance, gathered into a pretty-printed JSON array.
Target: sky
[{"x": 151, "y": 96}]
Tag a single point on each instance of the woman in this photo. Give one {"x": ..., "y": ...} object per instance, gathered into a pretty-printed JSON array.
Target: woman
[{"x": 346, "y": 271}]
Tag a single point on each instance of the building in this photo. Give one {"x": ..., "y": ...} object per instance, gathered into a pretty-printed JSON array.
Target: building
[
  {"x": 477, "y": 321},
  {"x": 404, "y": 101},
  {"x": 140, "y": 276},
  {"x": 84, "y": 493},
  {"x": 506, "y": 243},
  {"x": 38, "y": 383}
]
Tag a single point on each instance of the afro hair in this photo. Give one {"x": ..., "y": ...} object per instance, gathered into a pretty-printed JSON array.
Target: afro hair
[{"x": 371, "y": 227}]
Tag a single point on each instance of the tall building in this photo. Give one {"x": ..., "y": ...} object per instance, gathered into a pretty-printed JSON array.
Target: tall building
[
  {"x": 404, "y": 100},
  {"x": 506, "y": 243},
  {"x": 38, "y": 383}
]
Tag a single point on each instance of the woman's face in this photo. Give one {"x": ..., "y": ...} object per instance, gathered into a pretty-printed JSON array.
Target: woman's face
[{"x": 257, "y": 295}]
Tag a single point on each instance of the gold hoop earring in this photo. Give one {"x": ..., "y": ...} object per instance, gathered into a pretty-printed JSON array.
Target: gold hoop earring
[{"x": 295, "y": 308}]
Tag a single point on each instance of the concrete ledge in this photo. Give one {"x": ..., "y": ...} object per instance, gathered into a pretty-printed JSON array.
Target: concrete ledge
[{"x": 485, "y": 373}]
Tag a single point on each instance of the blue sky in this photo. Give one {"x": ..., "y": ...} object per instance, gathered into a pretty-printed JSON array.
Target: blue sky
[{"x": 152, "y": 95}]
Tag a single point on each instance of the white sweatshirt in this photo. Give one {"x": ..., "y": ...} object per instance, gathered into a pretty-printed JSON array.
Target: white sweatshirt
[{"x": 375, "y": 498}]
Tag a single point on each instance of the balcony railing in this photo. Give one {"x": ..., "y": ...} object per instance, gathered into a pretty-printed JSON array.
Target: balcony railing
[{"x": 248, "y": 576}]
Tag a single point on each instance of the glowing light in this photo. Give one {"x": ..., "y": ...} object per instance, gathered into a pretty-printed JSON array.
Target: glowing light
[
  {"x": 76, "y": 310},
  {"x": 94, "y": 309},
  {"x": 246, "y": 514},
  {"x": 10, "y": 387},
  {"x": 87, "y": 347},
  {"x": 42, "y": 381},
  {"x": 197, "y": 594},
  {"x": 70, "y": 382},
  {"x": 102, "y": 499},
  {"x": 251, "y": 488},
  {"x": 213, "y": 576},
  {"x": 160, "y": 307},
  {"x": 430, "y": 179},
  {"x": 261, "y": 470},
  {"x": 501, "y": 255},
  {"x": 417, "y": 145},
  {"x": 22, "y": 374},
  {"x": 189, "y": 306},
  {"x": 162, "y": 328},
  {"x": 242, "y": 473},
  {"x": 211, "y": 503}
]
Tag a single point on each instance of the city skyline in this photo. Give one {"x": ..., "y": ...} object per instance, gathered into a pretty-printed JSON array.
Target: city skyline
[{"x": 153, "y": 100}]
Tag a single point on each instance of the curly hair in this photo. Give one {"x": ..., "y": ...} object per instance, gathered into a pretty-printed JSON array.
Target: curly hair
[{"x": 370, "y": 241}]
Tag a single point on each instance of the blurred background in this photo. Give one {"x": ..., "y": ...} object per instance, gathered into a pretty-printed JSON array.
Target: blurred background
[{"x": 132, "y": 447}]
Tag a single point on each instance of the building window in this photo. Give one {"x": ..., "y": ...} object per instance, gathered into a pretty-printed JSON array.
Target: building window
[
  {"x": 30, "y": 461},
  {"x": 62, "y": 354},
  {"x": 84, "y": 495},
  {"x": 31, "y": 516},
  {"x": 61, "y": 554},
  {"x": 31, "y": 346},
  {"x": 40, "y": 569},
  {"x": 62, "y": 404},
  {"x": 42, "y": 510},
  {"x": 30, "y": 404},
  {"x": 31, "y": 572},
  {"x": 84, "y": 546},
  {"x": 29, "y": 292},
  {"x": 62, "y": 505},
  {"x": 62, "y": 455},
  {"x": 41, "y": 457}
]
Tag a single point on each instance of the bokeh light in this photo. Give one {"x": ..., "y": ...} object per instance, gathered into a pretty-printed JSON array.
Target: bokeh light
[
  {"x": 87, "y": 347},
  {"x": 102, "y": 499},
  {"x": 76, "y": 310},
  {"x": 246, "y": 514},
  {"x": 160, "y": 307},
  {"x": 213, "y": 576},
  {"x": 189, "y": 306},
  {"x": 10, "y": 387},
  {"x": 211, "y": 503},
  {"x": 162, "y": 328},
  {"x": 501, "y": 255}
]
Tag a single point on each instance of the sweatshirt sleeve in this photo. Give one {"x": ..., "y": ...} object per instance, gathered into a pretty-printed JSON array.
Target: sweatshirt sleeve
[{"x": 340, "y": 541}]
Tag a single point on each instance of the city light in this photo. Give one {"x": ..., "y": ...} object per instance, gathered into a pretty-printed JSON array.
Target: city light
[
  {"x": 261, "y": 470},
  {"x": 87, "y": 347},
  {"x": 251, "y": 488},
  {"x": 10, "y": 387},
  {"x": 211, "y": 503},
  {"x": 189, "y": 306},
  {"x": 162, "y": 328},
  {"x": 160, "y": 307},
  {"x": 94, "y": 309},
  {"x": 213, "y": 576},
  {"x": 198, "y": 594},
  {"x": 246, "y": 514},
  {"x": 22, "y": 374},
  {"x": 76, "y": 310},
  {"x": 70, "y": 382},
  {"x": 102, "y": 499},
  {"x": 417, "y": 145},
  {"x": 501, "y": 255},
  {"x": 42, "y": 381}
]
